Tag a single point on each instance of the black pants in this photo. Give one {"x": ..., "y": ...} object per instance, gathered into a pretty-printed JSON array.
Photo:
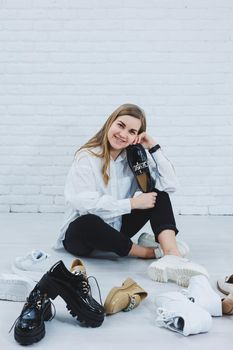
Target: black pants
[{"x": 90, "y": 232}]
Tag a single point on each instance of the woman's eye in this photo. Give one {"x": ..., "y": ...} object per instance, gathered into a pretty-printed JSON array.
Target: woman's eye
[{"x": 120, "y": 125}]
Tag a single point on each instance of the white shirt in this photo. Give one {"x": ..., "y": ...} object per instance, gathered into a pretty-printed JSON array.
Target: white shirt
[{"x": 86, "y": 192}]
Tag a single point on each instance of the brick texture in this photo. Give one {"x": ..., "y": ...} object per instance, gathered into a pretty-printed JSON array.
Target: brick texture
[{"x": 65, "y": 65}]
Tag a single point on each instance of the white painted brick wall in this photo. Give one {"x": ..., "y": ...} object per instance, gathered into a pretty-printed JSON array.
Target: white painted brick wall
[{"x": 65, "y": 65}]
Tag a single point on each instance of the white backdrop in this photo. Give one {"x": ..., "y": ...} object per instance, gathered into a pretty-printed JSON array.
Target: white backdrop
[{"x": 65, "y": 65}]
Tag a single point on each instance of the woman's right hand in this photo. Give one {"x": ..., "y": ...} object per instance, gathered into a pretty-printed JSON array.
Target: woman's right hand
[{"x": 144, "y": 201}]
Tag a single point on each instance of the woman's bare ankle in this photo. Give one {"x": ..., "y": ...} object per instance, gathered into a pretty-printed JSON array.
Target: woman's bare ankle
[
  {"x": 141, "y": 252},
  {"x": 171, "y": 252}
]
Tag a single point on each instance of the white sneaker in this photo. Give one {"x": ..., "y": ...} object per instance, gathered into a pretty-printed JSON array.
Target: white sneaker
[
  {"x": 176, "y": 269},
  {"x": 33, "y": 265},
  {"x": 148, "y": 240},
  {"x": 180, "y": 315},
  {"x": 15, "y": 288},
  {"x": 202, "y": 293}
]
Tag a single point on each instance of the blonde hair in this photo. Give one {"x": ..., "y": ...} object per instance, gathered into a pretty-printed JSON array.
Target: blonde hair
[{"x": 101, "y": 138}]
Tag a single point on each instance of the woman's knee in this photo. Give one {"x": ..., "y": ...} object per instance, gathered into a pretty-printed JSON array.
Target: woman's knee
[
  {"x": 163, "y": 194},
  {"x": 90, "y": 219},
  {"x": 77, "y": 248},
  {"x": 163, "y": 198}
]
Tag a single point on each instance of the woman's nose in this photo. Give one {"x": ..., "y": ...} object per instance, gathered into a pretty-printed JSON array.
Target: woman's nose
[{"x": 123, "y": 134}]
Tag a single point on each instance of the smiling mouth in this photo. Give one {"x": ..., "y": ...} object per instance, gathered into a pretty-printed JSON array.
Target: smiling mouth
[{"x": 119, "y": 140}]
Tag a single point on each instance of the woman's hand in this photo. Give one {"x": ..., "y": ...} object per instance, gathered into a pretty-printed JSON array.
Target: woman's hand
[
  {"x": 144, "y": 201},
  {"x": 146, "y": 140}
]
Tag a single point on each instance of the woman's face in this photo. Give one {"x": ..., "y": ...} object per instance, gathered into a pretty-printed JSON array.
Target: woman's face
[{"x": 123, "y": 132}]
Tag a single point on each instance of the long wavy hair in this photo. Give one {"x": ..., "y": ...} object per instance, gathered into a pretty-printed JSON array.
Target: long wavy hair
[{"x": 101, "y": 138}]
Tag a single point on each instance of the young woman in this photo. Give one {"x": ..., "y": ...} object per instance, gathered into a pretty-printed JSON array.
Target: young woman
[{"x": 102, "y": 212}]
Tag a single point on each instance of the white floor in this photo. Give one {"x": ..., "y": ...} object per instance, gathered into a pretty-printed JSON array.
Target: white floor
[{"x": 211, "y": 243}]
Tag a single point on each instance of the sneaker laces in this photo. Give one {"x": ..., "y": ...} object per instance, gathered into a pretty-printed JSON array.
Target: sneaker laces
[
  {"x": 166, "y": 317},
  {"x": 85, "y": 286},
  {"x": 37, "y": 254},
  {"x": 186, "y": 294},
  {"x": 98, "y": 287}
]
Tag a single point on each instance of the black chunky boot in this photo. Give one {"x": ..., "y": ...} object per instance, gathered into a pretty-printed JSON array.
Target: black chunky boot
[
  {"x": 29, "y": 327},
  {"x": 137, "y": 160},
  {"x": 75, "y": 290}
]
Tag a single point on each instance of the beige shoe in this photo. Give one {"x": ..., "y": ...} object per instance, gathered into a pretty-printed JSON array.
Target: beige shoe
[
  {"x": 227, "y": 305},
  {"x": 124, "y": 298},
  {"x": 78, "y": 267},
  {"x": 225, "y": 285}
]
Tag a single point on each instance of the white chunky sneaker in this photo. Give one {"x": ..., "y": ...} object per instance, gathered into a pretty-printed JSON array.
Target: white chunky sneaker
[
  {"x": 201, "y": 293},
  {"x": 179, "y": 314},
  {"x": 176, "y": 269},
  {"x": 14, "y": 287},
  {"x": 148, "y": 240},
  {"x": 33, "y": 265}
]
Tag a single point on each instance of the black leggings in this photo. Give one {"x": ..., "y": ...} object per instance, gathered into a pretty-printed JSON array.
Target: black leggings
[{"x": 90, "y": 232}]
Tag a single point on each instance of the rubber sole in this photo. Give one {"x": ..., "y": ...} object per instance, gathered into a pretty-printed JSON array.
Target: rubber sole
[
  {"x": 14, "y": 288},
  {"x": 33, "y": 275},
  {"x": 180, "y": 276},
  {"x": 36, "y": 335},
  {"x": 77, "y": 309}
]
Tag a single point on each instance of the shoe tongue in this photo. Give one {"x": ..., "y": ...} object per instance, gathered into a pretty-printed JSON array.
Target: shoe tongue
[
  {"x": 35, "y": 295},
  {"x": 78, "y": 267},
  {"x": 230, "y": 279},
  {"x": 37, "y": 254},
  {"x": 77, "y": 270},
  {"x": 178, "y": 323}
]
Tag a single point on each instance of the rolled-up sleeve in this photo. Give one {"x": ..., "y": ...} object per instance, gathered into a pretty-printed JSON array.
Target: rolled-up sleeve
[{"x": 163, "y": 172}]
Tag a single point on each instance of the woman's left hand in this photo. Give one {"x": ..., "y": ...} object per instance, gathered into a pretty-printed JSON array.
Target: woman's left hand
[{"x": 147, "y": 141}]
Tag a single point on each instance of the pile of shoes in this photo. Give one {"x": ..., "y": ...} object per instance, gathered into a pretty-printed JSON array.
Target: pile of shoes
[
  {"x": 73, "y": 287},
  {"x": 187, "y": 312}
]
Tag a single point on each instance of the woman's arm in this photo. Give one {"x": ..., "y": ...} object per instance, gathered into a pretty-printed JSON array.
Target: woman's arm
[
  {"x": 161, "y": 168},
  {"x": 83, "y": 193},
  {"x": 163, "y": 171}
]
